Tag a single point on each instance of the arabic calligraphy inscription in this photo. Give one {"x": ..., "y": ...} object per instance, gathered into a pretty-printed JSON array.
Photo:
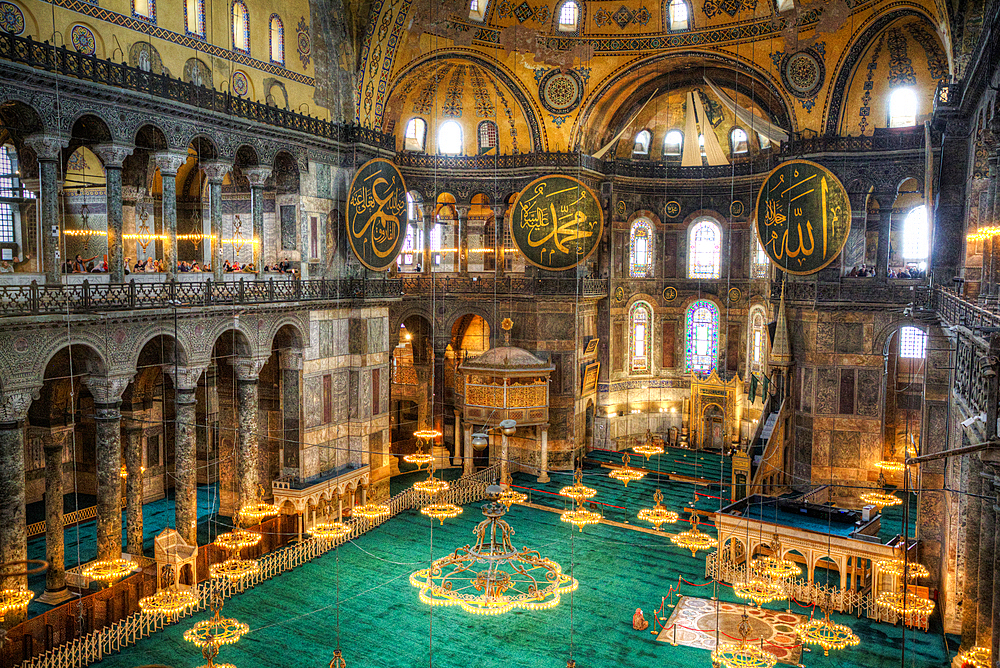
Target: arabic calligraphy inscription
[
  {"x": 803, "y": 216},
  {"x": 376, "y": 214},
  {"x": 557, "y": 222}
]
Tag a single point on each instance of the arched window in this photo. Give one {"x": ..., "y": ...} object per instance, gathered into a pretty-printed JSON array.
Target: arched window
[
  {"x": 640, "y": 253},
  {"x": 912, "y": 343},
  {"x": 678, "y": 15},
  {"x": 640, "y": 336},
  {"x": 673, "y": 143},
  {"x": 701, "y": 144},
  {"x": 738, "y": 140},
  {"x": 757, "y": 341},
  {"x": 759, "y": 261},
  {"x": 9, "y": 188},
  {"x": 241, "y": 27},
  {"x": 450, "y": 138},
  {"x": 704, "y": 250},
  {"x": 487, "y": 136},
  {"x": 569, "y": 16},
  {"x": 144, "y": 10},
  {"x": 785, "y": 5},
  {"x": 641, "y": 146},
  {"x": 702, "y": 337},
  {"x": 437, "y": 234},
  {"x": 477, "y": 9},
  {"x": 902, "y": 108},
  {"x": 916, "y": 234},
  {"x": 194, "y": 17},
  {"x": 413, "y": 136},
  {"x": 277, "y": 41},
  {"x": 412, "y": 246}
]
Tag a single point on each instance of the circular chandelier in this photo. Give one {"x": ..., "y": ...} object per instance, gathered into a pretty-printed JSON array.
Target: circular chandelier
[
  {"x": 648, "y": 449},
  {"x": 12, "y": 599},
  {"x": 253, "y": 513},
  {"x": 880, "y": 498},
  {"x": 216, "y": 631},
  {"x": 237, "y": 539},
  {"x": 234, "y": 568},
  {"x": 328, "y": 530},
  {"x": 421, "y": 458},
  {"x": 109, "y": 570},
  {"x": 581, "y": 517},
  {"x": 828, "y": 635},
  {"x": 509, "y": 497},
  {"x": 759, "y": 590},
  {"x": 578, "y": 491},
  {"x": 777, "y": 569},
  {"x": 897, "y": 567},
  {"x": 371, "y": 511},
  {"x": 905, "y": 603},
  {"x": 168, "y": 602},
  {"x": 742, "y": 654},
  {"x": 492, "y": 577},
  {"x": 891, "y": 466},
  {"x": 441, "y": 511},
  {"x": 432, "y": 485},
  {"x": 975, "y": 657},
  {"x": 625, "y": 473},
  {"x": 658, "y": 515},
  {"x": 692, "y": 539}
]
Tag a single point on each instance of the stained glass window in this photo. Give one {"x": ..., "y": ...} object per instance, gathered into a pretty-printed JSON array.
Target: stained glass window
[
  {"x": 641, "y": 250},
  {"x": 757, "y": 339},
  {"x": 277, "y": 40},
  {"x": 640, "y": 323},
  {"x": 912, "y": 343},
  {"x": 915, "y": 234},
  {"x": 702, "y": 337},
  {"x": 194, "y": 17},
  {"x": 241, "y": 27},
  {"x": 678, "y": 15},
  {"x": 704, "y": 250}
]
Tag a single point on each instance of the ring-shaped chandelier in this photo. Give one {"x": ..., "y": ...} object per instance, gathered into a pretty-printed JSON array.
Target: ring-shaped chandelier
[
  {"x": 692, "y": 539},
  {"x": 742, "y": 654},
  {"x": 658, "y": 515},
  {"x": 759, "y": 590},
  {"x": 625, "y": 473},
  {"x": 168, "y": 602},
  {"x": 441, "y": 511},
  {"x": 828, "y": 635},
  {"x": 109, "y": 570},
  {"x": 578, "y": 491}
]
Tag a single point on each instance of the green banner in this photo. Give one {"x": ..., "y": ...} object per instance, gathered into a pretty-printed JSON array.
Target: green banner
[
  {"x": 557, "y": 222},
  {"x": 376, "y": 214}
]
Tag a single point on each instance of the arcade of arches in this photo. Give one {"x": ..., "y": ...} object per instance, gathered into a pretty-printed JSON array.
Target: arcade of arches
[{"x": 185, "y": 328}]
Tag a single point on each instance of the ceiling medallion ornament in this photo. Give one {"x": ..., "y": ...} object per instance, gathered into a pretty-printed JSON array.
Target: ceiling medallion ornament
[
  {"x": 619, "y": 294},
  {"x": 492, "y": 577},
  {"x": 560, "y": 92},
  {"x": 803, "y": 73},
  {"x": 669, "y": 293},
  {"x": 737, "y": 208},
  {"x": 735, "y": 295}
]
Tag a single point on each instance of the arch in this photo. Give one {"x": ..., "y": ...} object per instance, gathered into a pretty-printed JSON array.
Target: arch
[
  {"x": 466, "y": 311},
  {"x": 704, "y": 248},
  {"x": 701, "y": 325},
  {"x": 179, "y": 353},
  {"x": 739, "y": 141},
  {"x": 289, "y": 333},
  {"x": 640, "y": 337},
  {"x": 415, "y": 134},
  {"x": 204, "y": 146},
  {"x": 569, "y": 17},
  {"x": 912, "y": 342},
  {"x": 86, "y": 356},
  {"x": 488, "y": 136},
  {"x": 144, "y": 10},
  {"x": 735, "y": 549},
  {"x": 916, "y": 234},
  {"x": 88, "y": 128},
  {"x": 285, "y": 173},
  {"x": 232, "y": 340},
  {"x": 757, "y": 338}
]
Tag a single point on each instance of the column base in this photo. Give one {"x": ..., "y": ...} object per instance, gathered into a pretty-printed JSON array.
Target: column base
[
  {"x": 543, "y": 476},
  {"x": 56, "y": 597}
]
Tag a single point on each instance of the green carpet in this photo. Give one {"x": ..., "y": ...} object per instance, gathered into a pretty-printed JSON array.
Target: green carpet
[{"x": 383, "y": 624}]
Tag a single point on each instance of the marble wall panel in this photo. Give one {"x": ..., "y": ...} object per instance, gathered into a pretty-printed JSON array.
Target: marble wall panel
[
  {"x": 849, "y": 338},
  {"x": 826, "y": 391},
  {"x": 312, "y": 401},
  {"x": 869, "y": 392},
  {"x": 845, "y": 449}
]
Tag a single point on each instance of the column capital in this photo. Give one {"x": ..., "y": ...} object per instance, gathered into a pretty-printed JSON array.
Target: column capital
[
  {"x": 184, "y": 378},
  {"x": 53, "y": 438},
  {"x": 47, "y": 147},
  {"x": 112, "y": 154},
  {"x": 108, "y": 390},
  {"x": 463, "y": 212},
  {"x": 216, "y": 170},
  {"x": 168, "y": 162},
  {"x": 248, "y": 368},
  {"x": 14, "y": 404},
  {"x": 131, "y": 423},
  {"x": 257, "y": 175}
]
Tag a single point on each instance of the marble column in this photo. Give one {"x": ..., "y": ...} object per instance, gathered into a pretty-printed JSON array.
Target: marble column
[
  {"x": 247, "y": 464},
  {"x": 986, "y": 558},
  {"x": 13, "y": 528},
  {"x": 133, "y": 486},
  {"x": 291, "y": 363},
  {"x": 54, "y": 445},
  {"x": 169, "y": 162},
  {"x": 461, "y": 243},
  {"x": 113, "y": 156},
  {"x": 882, "y": 256},
  {"x": 973, "y": 516},
  {"x": 364, "y": 493},
  {"x": 48, "y": 150},
  {"x": 543, "y": 469},
  {"x": 257, "y": 176},
  {"x": 504, "y": 458},
  {"x": 215, "y": 172},
  {"x": 985, "y": 219},
  {"x": 458, "y": 438},
  {"x": 426, "y": 233},
  {"x": 995, "y": 632},
  {"x": 107, "y": 391},
  {"x": 185, "y": 382},
  {"x": 468, "y": 465}
]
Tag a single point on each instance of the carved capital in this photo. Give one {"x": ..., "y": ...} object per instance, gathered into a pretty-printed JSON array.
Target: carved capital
[
  {"x": 112, "y": 155},
  {"x": 108, "y": 390},
  {"x": 47, "y": 146},
  {"x": 53, "y": 438},
  {"x": 248, "y": 368},
  {"x": 216, "y": 170},
  {"x": 185, "y": 378},
  {"x": 257, "y": 175},
  {"x": 291, "y": 359},
  {"x": 14, "y": 405},
  {"x": 168, "y": 162},
  {"x": 463, "y": 212}
]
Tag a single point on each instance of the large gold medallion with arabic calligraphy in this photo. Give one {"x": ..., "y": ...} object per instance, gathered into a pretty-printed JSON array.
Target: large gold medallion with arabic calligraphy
[
  {"x": 803, "y": 216},
  {"x": 376, "y": 214},
  {"x": 557, "y": 222}
]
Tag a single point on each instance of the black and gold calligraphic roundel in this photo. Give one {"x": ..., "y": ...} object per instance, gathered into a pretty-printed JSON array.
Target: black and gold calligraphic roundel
[
  {"x": 376, "y": 214},
  {"x": 557, "y": 222},
  {"x": 803, "y": 216}
]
